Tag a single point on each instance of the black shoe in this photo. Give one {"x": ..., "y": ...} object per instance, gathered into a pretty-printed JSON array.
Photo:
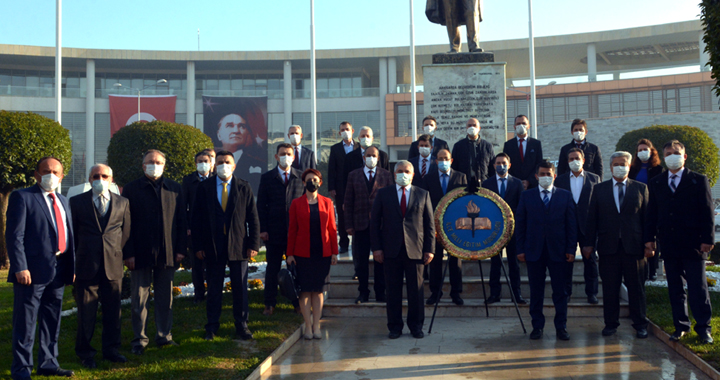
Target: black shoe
[
  {"x": 244, "y": 334},
  {"x": 381, "y": 298},
  {"x": 433, "y": 299},
  {"x": 362, "y": 298},
  {"x": 394, "y": 334},
  {"x": 209, "y": 336},
  {"x": 642, "y": 333},
  {"x": 492, "y": 300},
  {"x": 521, "y": 301},
  {"x": 609, "y": 331},
  {"x": 55, "y": 372},
  {"x": 115, "y": 358},
  {"x": 562, "y": 334},
  {"x": 417, "y": 334},
  {"x": 343, "y": 250},
  {"x": 457, "y": 300},
  {"x": 138, "y": 350},
  {"x": 705, "y": 338},
  {"x": 169, "y": 343},
  {"x": 536, "y": 334},
  {"x": 676, "y": 335},
  {"x": 592, "y": 300},
  {"x": 89, "y": 363}
]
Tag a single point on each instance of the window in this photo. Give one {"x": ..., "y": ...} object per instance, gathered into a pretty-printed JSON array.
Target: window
[{"x": 404, "y": 119}]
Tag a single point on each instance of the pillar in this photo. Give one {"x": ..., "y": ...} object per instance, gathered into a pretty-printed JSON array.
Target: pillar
[
  {"x": 191, "y": 94},
  {"x": 392, "y": 75},
  {"x": 383, "y": 68},
  {"x": 592, "y": 63},
  {"x": 89, "y": 115}
]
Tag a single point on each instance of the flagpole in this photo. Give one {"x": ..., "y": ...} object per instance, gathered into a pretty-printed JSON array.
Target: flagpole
[
  {"x": 58, "y": 61},
  {"x": 533, "y": 109},
  {"x": 413, "y": 96},
  {"x": 313, "y": 94}
]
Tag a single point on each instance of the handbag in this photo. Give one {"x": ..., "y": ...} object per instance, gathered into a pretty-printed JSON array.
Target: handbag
[{"x": 287, "y": 280}]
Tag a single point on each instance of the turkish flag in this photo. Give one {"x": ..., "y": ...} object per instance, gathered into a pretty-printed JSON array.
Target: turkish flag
[{"x": 124, "y": 109}]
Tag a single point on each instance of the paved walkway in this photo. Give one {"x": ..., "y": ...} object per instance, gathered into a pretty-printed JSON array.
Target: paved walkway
[{"x": 479, "y": 348}]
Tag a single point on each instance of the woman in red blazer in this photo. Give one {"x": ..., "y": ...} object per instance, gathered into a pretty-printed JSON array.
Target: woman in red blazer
[{"x": 312, "y": 246}]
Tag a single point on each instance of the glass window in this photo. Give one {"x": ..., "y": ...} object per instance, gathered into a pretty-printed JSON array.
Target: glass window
[
  {"x": 136, "y": 83},
  {"x": 249, "y": 84}
]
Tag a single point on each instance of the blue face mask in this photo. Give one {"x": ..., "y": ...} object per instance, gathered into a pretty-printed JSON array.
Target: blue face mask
[
  {"x": 444, "y": 166},
  {"x": 501, "y": 169}
]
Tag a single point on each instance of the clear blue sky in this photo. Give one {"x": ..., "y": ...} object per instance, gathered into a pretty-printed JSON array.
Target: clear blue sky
[{"x": 285, "y": 24}]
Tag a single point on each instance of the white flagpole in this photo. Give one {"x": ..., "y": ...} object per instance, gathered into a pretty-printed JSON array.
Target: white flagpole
[
  {"x": 313, "y": 94},
  {"x": 58, "y": 61},
  {"x": 533, "y": 110},
  {"x": 413, "y": 96}
]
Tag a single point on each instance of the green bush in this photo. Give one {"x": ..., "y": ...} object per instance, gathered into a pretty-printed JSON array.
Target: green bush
[
  {"x": 179, "y": 142},
  {"x": 701, "y": 150}
]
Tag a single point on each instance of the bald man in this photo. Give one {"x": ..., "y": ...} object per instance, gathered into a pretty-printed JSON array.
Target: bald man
[{"x": 472, "y": 155}]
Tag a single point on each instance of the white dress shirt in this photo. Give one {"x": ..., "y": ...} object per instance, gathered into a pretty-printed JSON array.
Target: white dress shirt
[
  {"x": 576, "y": 185},
  {"x": 220, "y": 187},
  {"x": 407, "y": 193},
  {"x": 549, "y": 194},
  {"x": 63, "y": 215},
  {"x": 615, "y": 191}
]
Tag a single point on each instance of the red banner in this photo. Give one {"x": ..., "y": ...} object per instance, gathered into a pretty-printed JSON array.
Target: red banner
[{"x": 124, "y": 109}]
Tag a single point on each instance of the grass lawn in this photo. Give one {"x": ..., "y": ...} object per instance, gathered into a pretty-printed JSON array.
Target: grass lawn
[
  {"x": 659, "y": 311},
  {"x": 223, "y": 358}
]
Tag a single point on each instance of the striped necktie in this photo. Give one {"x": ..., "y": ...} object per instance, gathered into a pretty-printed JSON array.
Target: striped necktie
[
  {"x": 673, "y": 186},
  {"x": 546, "y": 198}
]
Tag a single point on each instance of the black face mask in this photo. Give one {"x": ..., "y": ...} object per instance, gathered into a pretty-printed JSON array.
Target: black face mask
[{"x": 311, "y": 186}]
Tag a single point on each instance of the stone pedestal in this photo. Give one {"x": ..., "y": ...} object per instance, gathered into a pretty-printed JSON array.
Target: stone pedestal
[{"x": 457, "y": 92}]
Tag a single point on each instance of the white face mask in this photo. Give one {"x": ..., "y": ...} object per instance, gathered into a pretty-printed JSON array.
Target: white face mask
[
  {"x": 50, "y": 182},
  {"x": 294, "y": 139},
  {"x": 425, "y": 151},
  {"x": 473, "y": 131},
  {"x": 403, "y": 179},
  {"x": 576, "y": 165},
  {"x": 285, "y": 161},
  {"x": 620, "y": 171},
  {"x": 579, "y": 136},
  {"x": 429, "y": 129},
  {"x": 203, "y": 167},
  {"x": 100, "y": 186},
  {"x": 643, "y": 155},
  {"x": 365, "y": 142},
  {"x": 545, "y": 182},
  {"x": 371, "y": 162},
  {"x": 224, "y": 171},
  {"x": 346, "y": 135},
  {"x": 154, "y": 171},
  {"x": 674, "y": 161},
  {"x": 520, "y": 130}
]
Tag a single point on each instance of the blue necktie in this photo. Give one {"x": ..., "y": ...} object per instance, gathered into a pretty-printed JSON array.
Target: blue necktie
[
  {"x": 502, "y": 188},
  {"x": 546, "y": 198},
  {"x": 673, "y": 186},
  {"x": 444, "y": 182}
]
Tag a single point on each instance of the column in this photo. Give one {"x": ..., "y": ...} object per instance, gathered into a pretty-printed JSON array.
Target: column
[
  {"x": 704, "y": 56},
  {"x": 89, "y": 115},
  {"x": 383, "y": 66},
  {"x": 392, "y": 75},
  {"x": 191, "y": 94},
  {"x": 287, "y": 94},
  {"x": 592, "y": 63}
]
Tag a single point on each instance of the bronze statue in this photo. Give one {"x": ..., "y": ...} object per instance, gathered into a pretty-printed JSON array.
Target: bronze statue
[{"x": 453, "y": 13}]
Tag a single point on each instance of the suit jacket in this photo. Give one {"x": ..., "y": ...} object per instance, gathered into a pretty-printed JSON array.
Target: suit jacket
[
  {"x": 189, "y": 187},
  {"x": 652, "y": 172},
  {"x": 682, "y": 220},
  {"x": 432, "y": 184},
  {"x": 336, "y": 169},
  {"x": 140, "y": 193},
  {"x": 513, "y": 190},
  {"x": 581, "y": 208},
  {"x": 607, "y": 226},
  {"x": 463, "y": 162},
  {"x": 387, "y": 224},
  {"x": 417, "y": 167},
  {"x": 524, "y": 169},
  {"x": 32, "y": 240},
  {"x": 97, "y": 247},
  {"x": 358, "y": 201},
  {"x": 554, "y": 226},
  {"x": 593, "y": 159},
  {"x": 307, "y": 159},
  {"x": 437, "y": 145},
  {"x": 298, "y": 239},
  {"x": 355, "y": 160},
  {"x": 273, "y": 203}
]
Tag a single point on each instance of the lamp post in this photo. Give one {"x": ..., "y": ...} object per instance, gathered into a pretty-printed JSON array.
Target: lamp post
[
  {"x": 139, "y": 90},
  {"x": 528, "y": 99}
]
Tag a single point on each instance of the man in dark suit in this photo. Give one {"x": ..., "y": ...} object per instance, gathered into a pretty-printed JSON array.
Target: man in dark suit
[
  {"x": 278, "y": 188},
  {"x": 101, "y": 221},
  {"x": 616, "y": 221},
  {"x": 402, "y": 234},
  {"x": 304, "y": 157},
  {"x": 509, "y": 188},
  {"x": 438, "y": 182},
  {"x": 680, "y": 214},
  {"x": 362, "y": 187},
  {"x": 40, "y": 245},
  {"x": 356, "y": 160},
  {"x": 158, "y": 240},
  {"x": 425, "y": 162},
  {"x": 546, "y": 234},
  {"x": 579, "y": 183},
  {"x": 436, "y": 143},
  {"x": 226, "y": 232},
  {"x": 472, "y": 156},
  {"x": 204, "y": 165},
  {"x": 337, "y": 177},
  {"x": 593, "y": 158},
  {"x": 524, "y": 152}
]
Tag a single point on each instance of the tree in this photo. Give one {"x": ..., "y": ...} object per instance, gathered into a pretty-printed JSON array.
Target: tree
[
  {"x": 710, "y": 17},
  {"x": 26, "y": 138},
  {"x": 179, "y": 142},
  {"x": 700, "y": 148}
]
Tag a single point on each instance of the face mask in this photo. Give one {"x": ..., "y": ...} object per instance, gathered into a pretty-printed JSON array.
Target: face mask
[
  {"x": 473, "y": 131},
  {"x": 50, "y": 182},
  {"x": 311, "y": 186},
  {"x": 620, "y": 171},
  {"x": 545, "y": 182},
  {"x": 294, "y": 139},
  {"x": 371, "y": 162},
  {"x": 100, "y": 187},
  {"x": 520, "y": 130},
  {"x": 284, "y": 161},
  {"x": 425, "y": 151},
  {"x": 673, "y": 161},
  {"x": 501, "y": 169},
  {"x": 576, "y": 165},
  {"x": 579, "y": 136},
  {"x": 224, "y": 171},
  {"x": 429, "y": 130},
  {"x": 403, "y": 179},
  {"x": 203, "y": 167},
  {"x": 444, "y": 166},
  {"x": 346, "y": 135},
  {"x": 365, "y": 142},
  {"x": 154, "y": 171},
  {"x": 644, "y": 155}
]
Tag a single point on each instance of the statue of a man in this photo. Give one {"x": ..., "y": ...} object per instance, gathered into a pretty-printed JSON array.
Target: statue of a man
[{"x": 453, "y": 13}]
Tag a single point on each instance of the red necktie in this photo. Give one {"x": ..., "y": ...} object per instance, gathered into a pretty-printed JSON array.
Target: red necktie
[
  {"x": 286, "y": 178},
  {"x": 424, "y": 167},
  {"x": 59, "y": 223},
  {"x": 522, "y": 155},
  {"x": 296, "y": 162},
  {"x": 370, "y": 176},
  {"x": 403, "y": 202}
]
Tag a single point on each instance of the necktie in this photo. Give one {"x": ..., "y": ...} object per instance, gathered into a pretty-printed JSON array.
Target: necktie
[
  {"x": 424, "y": 167},
  {"x": 444, "y": 183},
  {"x": 296, "y": 161},
  {"x": 621, "y": 193},
  {"x": 370, "y": 177},
  {"x": 202, "y": 178},
  {"x": 546, "y": 198},
  {"x": 286, "y": 178},
  {"x": 579, "y": 146},
  {"x": 59, "y": 224},
  {"x": 101, "y": 205},
  {"x": 403, "y": 202},
  {"x": 224, "y": 196},
  {"x": 673, "y": 186},
  {"x": 522, "y": 154},
  {"x": 502, "y": 187}
]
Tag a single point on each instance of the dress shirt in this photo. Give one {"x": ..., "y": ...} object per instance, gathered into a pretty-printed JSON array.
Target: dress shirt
[
  {"x": 524, "y": 143},
  {"x": 220, "y": 187},
  {"x": 282, "y": 172},
  {"x": 576, "y": 185},
  {"x": 203, "y": 177},
  {"x": 678, "y": 179},
  {"x": 549, "y": 194},
  {"x": 615, "y": 191},
  {"x": 449, "y": 174},
  {"x": 367, "y": 171},
  {"x": 105, "y": 195},
  {"x": 348, "y": 147},
  {"x": 49, "y": 202},
  {"x": 407, "y": 193}
]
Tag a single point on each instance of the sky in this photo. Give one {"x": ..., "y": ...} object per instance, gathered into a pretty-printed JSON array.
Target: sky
[{"x": 242, "y": 25}]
